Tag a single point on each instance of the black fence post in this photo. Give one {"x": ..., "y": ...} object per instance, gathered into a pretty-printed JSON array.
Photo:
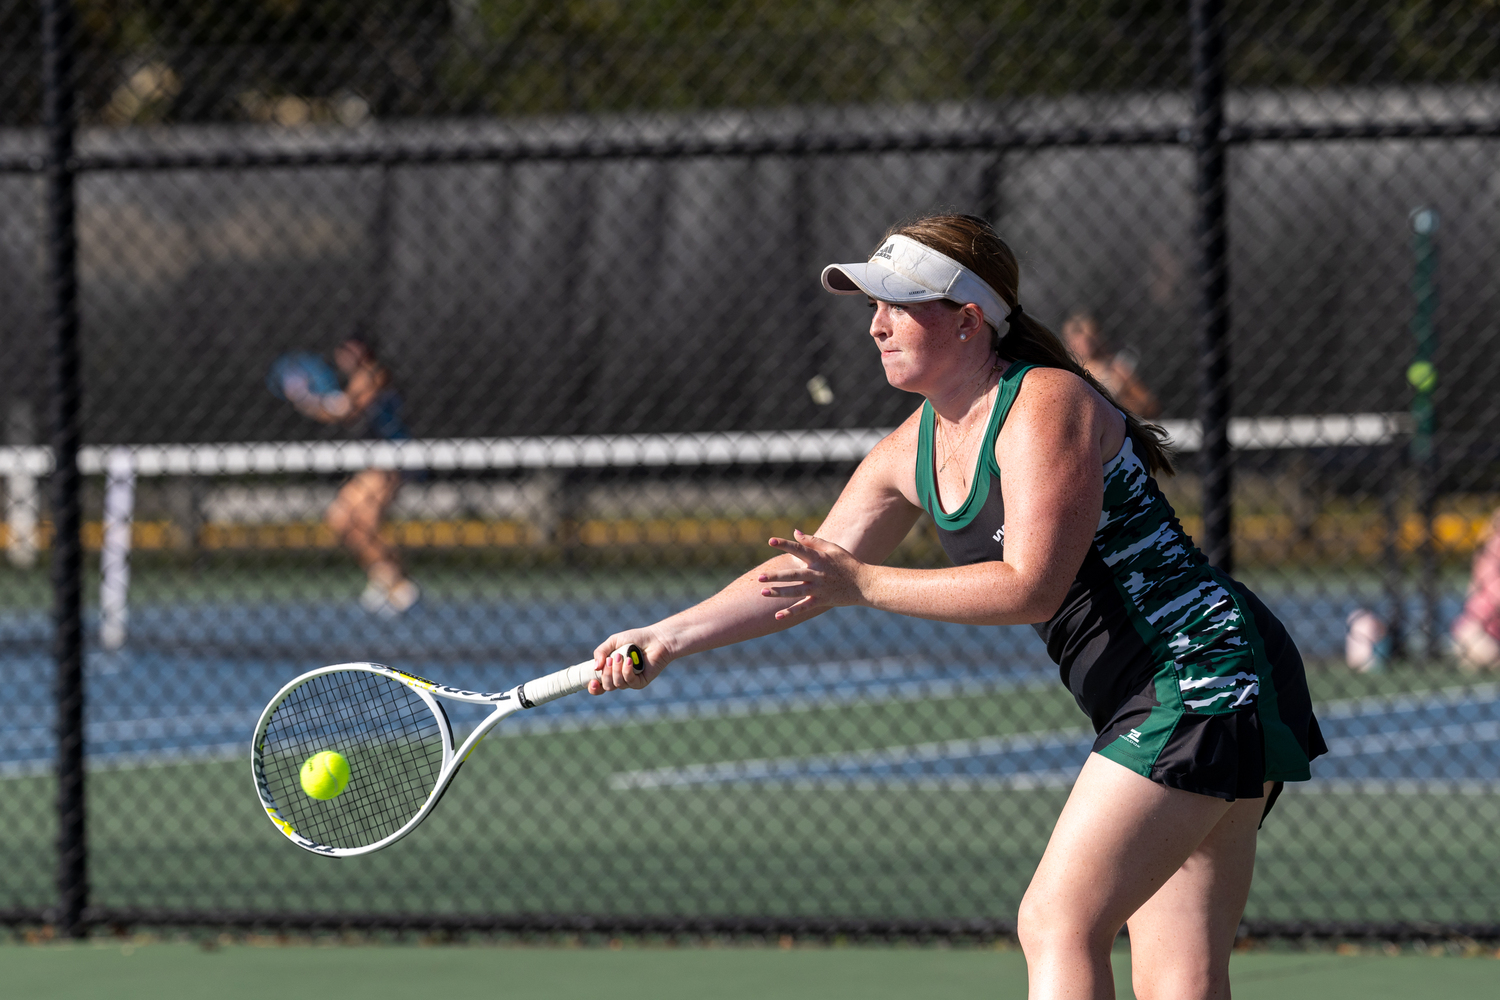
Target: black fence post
[
  {"x": 67, "y": 558},
  {"x": 1207, "y": 17}
]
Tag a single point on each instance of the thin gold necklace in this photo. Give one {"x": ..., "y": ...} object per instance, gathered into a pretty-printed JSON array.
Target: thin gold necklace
[{"x": 950, "y": 449}]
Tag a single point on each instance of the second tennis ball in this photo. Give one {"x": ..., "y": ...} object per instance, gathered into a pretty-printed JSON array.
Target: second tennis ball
[
  {"x": 325, "y": 774},
  {"x": 1422, "y": 375}
]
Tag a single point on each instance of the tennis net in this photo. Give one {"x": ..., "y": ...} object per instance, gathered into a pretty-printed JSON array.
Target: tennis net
[{"x": 501, "y": 492}]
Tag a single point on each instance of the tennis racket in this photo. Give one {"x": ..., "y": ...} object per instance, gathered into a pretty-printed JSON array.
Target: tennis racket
[{"x": 391, "y": 729}]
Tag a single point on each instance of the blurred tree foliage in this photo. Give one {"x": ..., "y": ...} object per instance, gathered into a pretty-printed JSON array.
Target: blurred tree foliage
[
  {"x": 1354, "y": 42},
  {"x": 307, "y": 60}
]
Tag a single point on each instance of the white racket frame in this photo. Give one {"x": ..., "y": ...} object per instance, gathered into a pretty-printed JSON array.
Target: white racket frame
[{"x": 536, "y": 692}]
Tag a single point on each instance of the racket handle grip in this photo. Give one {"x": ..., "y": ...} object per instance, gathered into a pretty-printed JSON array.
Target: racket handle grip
[{"x": 572, "y": 679}]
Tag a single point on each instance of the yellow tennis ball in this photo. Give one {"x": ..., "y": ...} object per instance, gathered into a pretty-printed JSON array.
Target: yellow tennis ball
[
  {"x": 325, "y": 775},
  {"x": 1422, "y": 375}
]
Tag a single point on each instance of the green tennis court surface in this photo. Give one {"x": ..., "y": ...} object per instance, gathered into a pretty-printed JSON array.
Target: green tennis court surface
[
  {"x": 170, "y": 971},
  {"x": 542, "y": 822}
]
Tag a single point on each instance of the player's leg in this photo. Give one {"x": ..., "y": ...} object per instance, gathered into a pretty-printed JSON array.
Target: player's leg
[
  {"x": 1120, "y": 838},
  {"x": 1180, "y": 938},
  {"x": 355, "y": 516}
]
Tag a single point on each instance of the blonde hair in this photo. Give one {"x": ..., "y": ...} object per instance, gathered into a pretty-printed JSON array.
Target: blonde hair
[{"x": 973, "y": 243}]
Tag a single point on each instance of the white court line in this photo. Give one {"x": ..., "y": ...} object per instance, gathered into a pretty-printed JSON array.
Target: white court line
[
  {"x": 791, "y": 771},
  {"x": 1402, "y": 786},
  {"x": 1406, "y": 701},
  {"x": 1453, "y": 734},
  {"x": 778, "y": 769},
  {"x": 218, "y": 752},
  {"x": 186, "y": 724}
]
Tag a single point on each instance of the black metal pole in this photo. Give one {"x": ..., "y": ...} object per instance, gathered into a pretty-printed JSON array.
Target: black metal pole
[
  {"x": 1207, "y": 17},
  {"x": 67, "y": 556}
]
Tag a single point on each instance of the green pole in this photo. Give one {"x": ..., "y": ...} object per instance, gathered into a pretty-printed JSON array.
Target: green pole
[{"x": 1422, "y": 375}]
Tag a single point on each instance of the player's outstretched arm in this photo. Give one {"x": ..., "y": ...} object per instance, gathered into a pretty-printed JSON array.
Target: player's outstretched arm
[
  {"x": 1051, "y": 451},
  {"x": 871, "y": 517}
]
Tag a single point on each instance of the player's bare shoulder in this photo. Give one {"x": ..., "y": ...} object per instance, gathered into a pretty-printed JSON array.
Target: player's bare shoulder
[
  {"x": 1054, "y": 391},
  {"x": 1054, "y": 406}
]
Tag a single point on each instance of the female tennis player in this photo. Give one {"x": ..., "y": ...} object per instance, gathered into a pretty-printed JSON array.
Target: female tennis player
[
  {"x": 1040, "y": 487},
  {"x": 369, "y": 407}
]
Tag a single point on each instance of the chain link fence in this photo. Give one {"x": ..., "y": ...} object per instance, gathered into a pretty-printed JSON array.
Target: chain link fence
[{"x": 583, "y": 239}]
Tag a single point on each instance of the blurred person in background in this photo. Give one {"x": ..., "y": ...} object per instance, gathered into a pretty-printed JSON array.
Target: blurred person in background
[
  {"x": 369, "y": 407},
  {"x": 1474, "y": 636},
  {"x": 1114, "y": 370},
  {"x": 1476, "y": 631}
]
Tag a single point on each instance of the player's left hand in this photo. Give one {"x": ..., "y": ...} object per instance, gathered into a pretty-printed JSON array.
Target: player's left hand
[{"x": 829, "y": 576}]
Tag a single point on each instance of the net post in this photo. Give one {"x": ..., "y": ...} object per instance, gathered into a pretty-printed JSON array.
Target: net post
[
  {"x": 1212, "y": 319},
  {"x": 61, "y": 236},
  {"x": 22, "y": 508},
  {"x": 114, "y": 553}
]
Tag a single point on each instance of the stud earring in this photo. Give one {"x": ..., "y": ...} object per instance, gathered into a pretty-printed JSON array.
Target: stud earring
[{"x": 963, "y": 336}]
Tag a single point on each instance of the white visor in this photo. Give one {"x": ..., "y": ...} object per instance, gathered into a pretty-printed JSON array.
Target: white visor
[{"x": 903, "y": 270}]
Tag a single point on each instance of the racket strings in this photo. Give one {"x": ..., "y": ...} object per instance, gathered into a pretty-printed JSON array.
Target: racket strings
[{"x": 388, "y": 734}]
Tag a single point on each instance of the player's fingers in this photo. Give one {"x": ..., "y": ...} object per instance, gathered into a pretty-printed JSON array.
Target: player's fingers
[
  {"x": 604, "y": 675},
  {"x": 803, "y": 605},
  {"x": 798, "y": 590},
  {"x": 621, "y": 669},
  {"x": 792, "y": 548},
  {"x": 804, "y": 575},
  {"x": 605, "y": 649},
  {"x": 811, "y": 543},
  {"x": 617, "y": 672},
  {"x": 818, "y": 548}
]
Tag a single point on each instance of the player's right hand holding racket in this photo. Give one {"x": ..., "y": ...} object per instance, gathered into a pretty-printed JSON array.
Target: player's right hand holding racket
[{"x": 615, "y": 670}]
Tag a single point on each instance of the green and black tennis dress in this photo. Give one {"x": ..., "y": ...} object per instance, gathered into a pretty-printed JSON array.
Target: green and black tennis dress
[{"x": 1187, "y": 677}]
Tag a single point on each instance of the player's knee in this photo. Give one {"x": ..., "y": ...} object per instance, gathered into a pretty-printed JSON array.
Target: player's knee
[
  {"x": 1180, "y": 977},
  {"x": 1045, "y": 925}
]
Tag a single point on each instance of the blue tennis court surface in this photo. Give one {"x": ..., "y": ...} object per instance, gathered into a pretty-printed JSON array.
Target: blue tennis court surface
[{"x": 192, "y": 680}]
